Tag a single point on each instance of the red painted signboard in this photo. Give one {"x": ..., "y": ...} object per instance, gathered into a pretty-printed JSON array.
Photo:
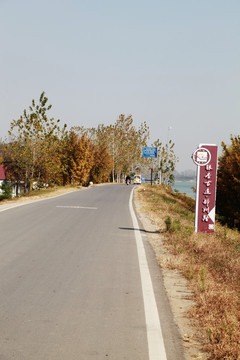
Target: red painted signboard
[{"x": 205, "y": 157}]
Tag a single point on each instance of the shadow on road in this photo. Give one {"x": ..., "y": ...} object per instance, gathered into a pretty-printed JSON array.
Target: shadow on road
[{"x": 142, "y": 230}]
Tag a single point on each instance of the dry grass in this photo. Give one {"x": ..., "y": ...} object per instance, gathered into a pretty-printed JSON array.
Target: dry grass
[{"x": 211, "y": 264}]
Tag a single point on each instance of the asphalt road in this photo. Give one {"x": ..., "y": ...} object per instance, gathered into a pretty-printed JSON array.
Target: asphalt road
[{"x": 71, "y": 285}]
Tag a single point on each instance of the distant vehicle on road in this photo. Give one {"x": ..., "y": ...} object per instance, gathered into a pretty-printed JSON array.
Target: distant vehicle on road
[{"x": 137, "y": 179}]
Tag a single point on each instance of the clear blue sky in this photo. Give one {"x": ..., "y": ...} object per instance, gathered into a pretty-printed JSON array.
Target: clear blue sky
[{"x": 169, "y": 63}]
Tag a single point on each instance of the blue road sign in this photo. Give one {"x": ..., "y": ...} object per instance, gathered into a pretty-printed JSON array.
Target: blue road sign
[{"x": 149, "y": 152}]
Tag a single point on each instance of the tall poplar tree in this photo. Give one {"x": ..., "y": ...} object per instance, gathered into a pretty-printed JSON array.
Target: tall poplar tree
[
  {"x": 37, "y": 137},
  {"x": 122, "y": 140},
  {"x": 166, "y": 161}
]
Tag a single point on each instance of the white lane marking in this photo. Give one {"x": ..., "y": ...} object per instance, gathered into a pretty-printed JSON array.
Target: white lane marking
[
  {"x": 76, "y": 207},
  {"x": 9, "y": 207},
  {"x": 156, "y": 348}
]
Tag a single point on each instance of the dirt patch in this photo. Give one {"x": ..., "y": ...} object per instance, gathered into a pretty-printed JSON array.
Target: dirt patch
[{"x": 180, "y": 296}]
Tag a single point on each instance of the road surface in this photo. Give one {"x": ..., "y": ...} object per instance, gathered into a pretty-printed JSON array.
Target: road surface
[{"x": 74, "y": 283}]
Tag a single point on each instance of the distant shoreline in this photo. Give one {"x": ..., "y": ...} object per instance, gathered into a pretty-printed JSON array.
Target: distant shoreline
[
  {"x": 185, "y": 187},
  {"x": 186, "y": 180}
]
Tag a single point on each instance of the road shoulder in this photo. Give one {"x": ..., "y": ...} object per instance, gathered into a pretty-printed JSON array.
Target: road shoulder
[{"x": 178, "y": 293}]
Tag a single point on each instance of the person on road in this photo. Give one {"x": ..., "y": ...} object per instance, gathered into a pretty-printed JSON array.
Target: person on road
[{"x": 128, "y": 180}]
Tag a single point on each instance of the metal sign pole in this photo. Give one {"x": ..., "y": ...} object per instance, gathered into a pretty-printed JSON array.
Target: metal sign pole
[
  {"x": 150, "y": 152},
  {"x": 152, "y": 172}
]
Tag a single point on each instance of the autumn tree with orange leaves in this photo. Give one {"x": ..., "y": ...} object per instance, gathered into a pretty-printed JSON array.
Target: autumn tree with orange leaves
[
  {"x": 80, "y": 158},
  {"x": 102, "y": 167},
  {"x": 228, "y": 183}
]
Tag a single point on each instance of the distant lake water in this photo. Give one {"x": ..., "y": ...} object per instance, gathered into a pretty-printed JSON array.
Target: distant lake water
[{"x": 185, "y": 187}]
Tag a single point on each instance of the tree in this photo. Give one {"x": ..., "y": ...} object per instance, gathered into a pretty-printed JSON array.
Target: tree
[
  {"x": 18, "y": 163},
  {"x": 102, "y": 165},
  {"x": 228, "y": 183},
  {"x": 80, "y": 158},
  {"x": 36, "y": 125},
  {"x": 122, "y": 140},
  {"x": 128, "y": 143},
  {"x": 166, "y": 162},
  {"x": 2, "y": 146},
  {"x": 6, "y": 192},
  {"x": 37, "y": 138}
]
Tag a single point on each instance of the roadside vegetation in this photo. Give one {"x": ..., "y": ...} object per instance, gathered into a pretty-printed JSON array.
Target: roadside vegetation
[
  {"x": 40, "y": 194},
  {"x": 40, "y": 154},
  {"x": 40, "y": 151},
  {"x": 210, "y": 263},
  {"x": 228, "y": 183}
]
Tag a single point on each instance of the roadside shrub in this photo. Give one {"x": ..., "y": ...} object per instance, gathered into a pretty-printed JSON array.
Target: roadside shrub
[
  {"x": 168, "y": 222},
  {"x": 176, "y": 226},
  {"x": 6, "y": 191},
  {"x": 172, "y": 226},
  {"x": 187, "y": 231}
]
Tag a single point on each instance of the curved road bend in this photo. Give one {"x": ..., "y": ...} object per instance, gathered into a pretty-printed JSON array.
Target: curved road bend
[{"x": 71, "y": 282}]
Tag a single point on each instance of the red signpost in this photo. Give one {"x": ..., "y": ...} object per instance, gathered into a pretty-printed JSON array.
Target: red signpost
[{"x": 205, "y": 157}]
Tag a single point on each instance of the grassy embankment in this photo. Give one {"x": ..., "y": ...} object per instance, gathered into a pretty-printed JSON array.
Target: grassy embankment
[
  {"x": 210, "y": 263},
  {"x": 42, "y": 193}
]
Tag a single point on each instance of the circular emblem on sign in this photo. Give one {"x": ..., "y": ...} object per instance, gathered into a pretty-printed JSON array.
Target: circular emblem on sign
[{"x": 201, "y": 156}]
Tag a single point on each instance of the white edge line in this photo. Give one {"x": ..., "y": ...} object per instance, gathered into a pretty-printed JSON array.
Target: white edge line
[{"x": 156, "y": 346}]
